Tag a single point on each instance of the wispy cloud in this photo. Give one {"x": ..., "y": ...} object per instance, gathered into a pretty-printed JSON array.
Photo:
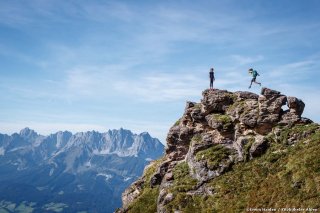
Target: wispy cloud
[
  {"x": 294, "y": 69},
  {"x": 159, "y": 87},
  {"x": 102, "y": 55},
  {"x": 246, "y": 60}
]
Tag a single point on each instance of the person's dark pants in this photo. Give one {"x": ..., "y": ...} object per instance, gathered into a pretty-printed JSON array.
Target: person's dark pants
[
  {"x": 254, "y": 80},
  {"x": 211, "y": 83}
]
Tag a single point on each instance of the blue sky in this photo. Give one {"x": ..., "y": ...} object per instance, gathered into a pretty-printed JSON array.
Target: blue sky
[{"x": 99, "y": 65}]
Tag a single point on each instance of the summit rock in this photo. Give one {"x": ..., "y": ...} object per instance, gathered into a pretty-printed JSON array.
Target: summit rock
[{"x": 221, "y": 141}]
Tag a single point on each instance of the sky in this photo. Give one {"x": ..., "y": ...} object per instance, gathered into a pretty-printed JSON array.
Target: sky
[{"x": 98, "y": 65}]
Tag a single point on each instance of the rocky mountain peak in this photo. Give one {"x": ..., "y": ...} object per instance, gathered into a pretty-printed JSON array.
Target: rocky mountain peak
[
  {"x": 223, "y": 116},
  {"x": 28, "y": 133},
  {"x": 145, "y": 134},
  {"x": 224, "y": 130},
  {"x": 81, "y": 171}
]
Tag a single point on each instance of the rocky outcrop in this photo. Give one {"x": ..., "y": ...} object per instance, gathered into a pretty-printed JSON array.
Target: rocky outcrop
[{"x": 222, "y": 130}]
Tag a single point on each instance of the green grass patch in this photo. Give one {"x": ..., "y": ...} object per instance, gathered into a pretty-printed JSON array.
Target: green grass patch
[
  {"x": 246, "y": 148},
  {"x": 182, "y": 180},
  {"x": 182, "y": 183},
  {"x": 197, "y": 139},
  {"x": 151, "y": 170},
  {"x": 214, "y": 155},
  {"x": 301, "y": 130},
  {"x": 187, "y": 203},
  {"x": 237, "y": 104},
  {"x": 147, "y": 200},
  {"x": 224, "y": 120},
  {"x": 177, "y": 122}
]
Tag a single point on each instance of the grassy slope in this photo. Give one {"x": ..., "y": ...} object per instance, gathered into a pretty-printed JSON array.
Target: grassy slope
[
  {"x": 285, "y": 176},
  {"x": 147, "y": 201}
]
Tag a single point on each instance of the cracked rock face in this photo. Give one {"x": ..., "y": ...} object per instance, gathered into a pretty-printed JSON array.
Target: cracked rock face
[{"x": 224, "y": 129}]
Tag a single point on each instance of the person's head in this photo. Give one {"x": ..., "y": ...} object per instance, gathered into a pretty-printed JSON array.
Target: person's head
[
  {"x": 211, "y": 69},
  {"x": 250, "y": 70}
]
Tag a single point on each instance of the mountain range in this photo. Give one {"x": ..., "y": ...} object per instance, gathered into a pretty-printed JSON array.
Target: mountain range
[{"x": 65, "y": 172}]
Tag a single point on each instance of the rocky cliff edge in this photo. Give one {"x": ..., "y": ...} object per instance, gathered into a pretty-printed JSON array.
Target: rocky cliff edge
[{"x": 221, "y": 150}]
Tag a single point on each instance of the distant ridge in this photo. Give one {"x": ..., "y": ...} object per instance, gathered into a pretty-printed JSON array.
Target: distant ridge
[{"x": 85, "y": 171}]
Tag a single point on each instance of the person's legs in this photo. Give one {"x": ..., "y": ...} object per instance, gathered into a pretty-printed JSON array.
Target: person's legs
[
  {"x": 252, "y": 80},
  {"x": 256, "y": 82},
  {"x": 211, "y": 83}
]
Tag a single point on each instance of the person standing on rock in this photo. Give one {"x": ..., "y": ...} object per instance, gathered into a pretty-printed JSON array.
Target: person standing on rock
[
  {"x": 254, "y": 74},
  {"x": 211, "y": 76}
]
